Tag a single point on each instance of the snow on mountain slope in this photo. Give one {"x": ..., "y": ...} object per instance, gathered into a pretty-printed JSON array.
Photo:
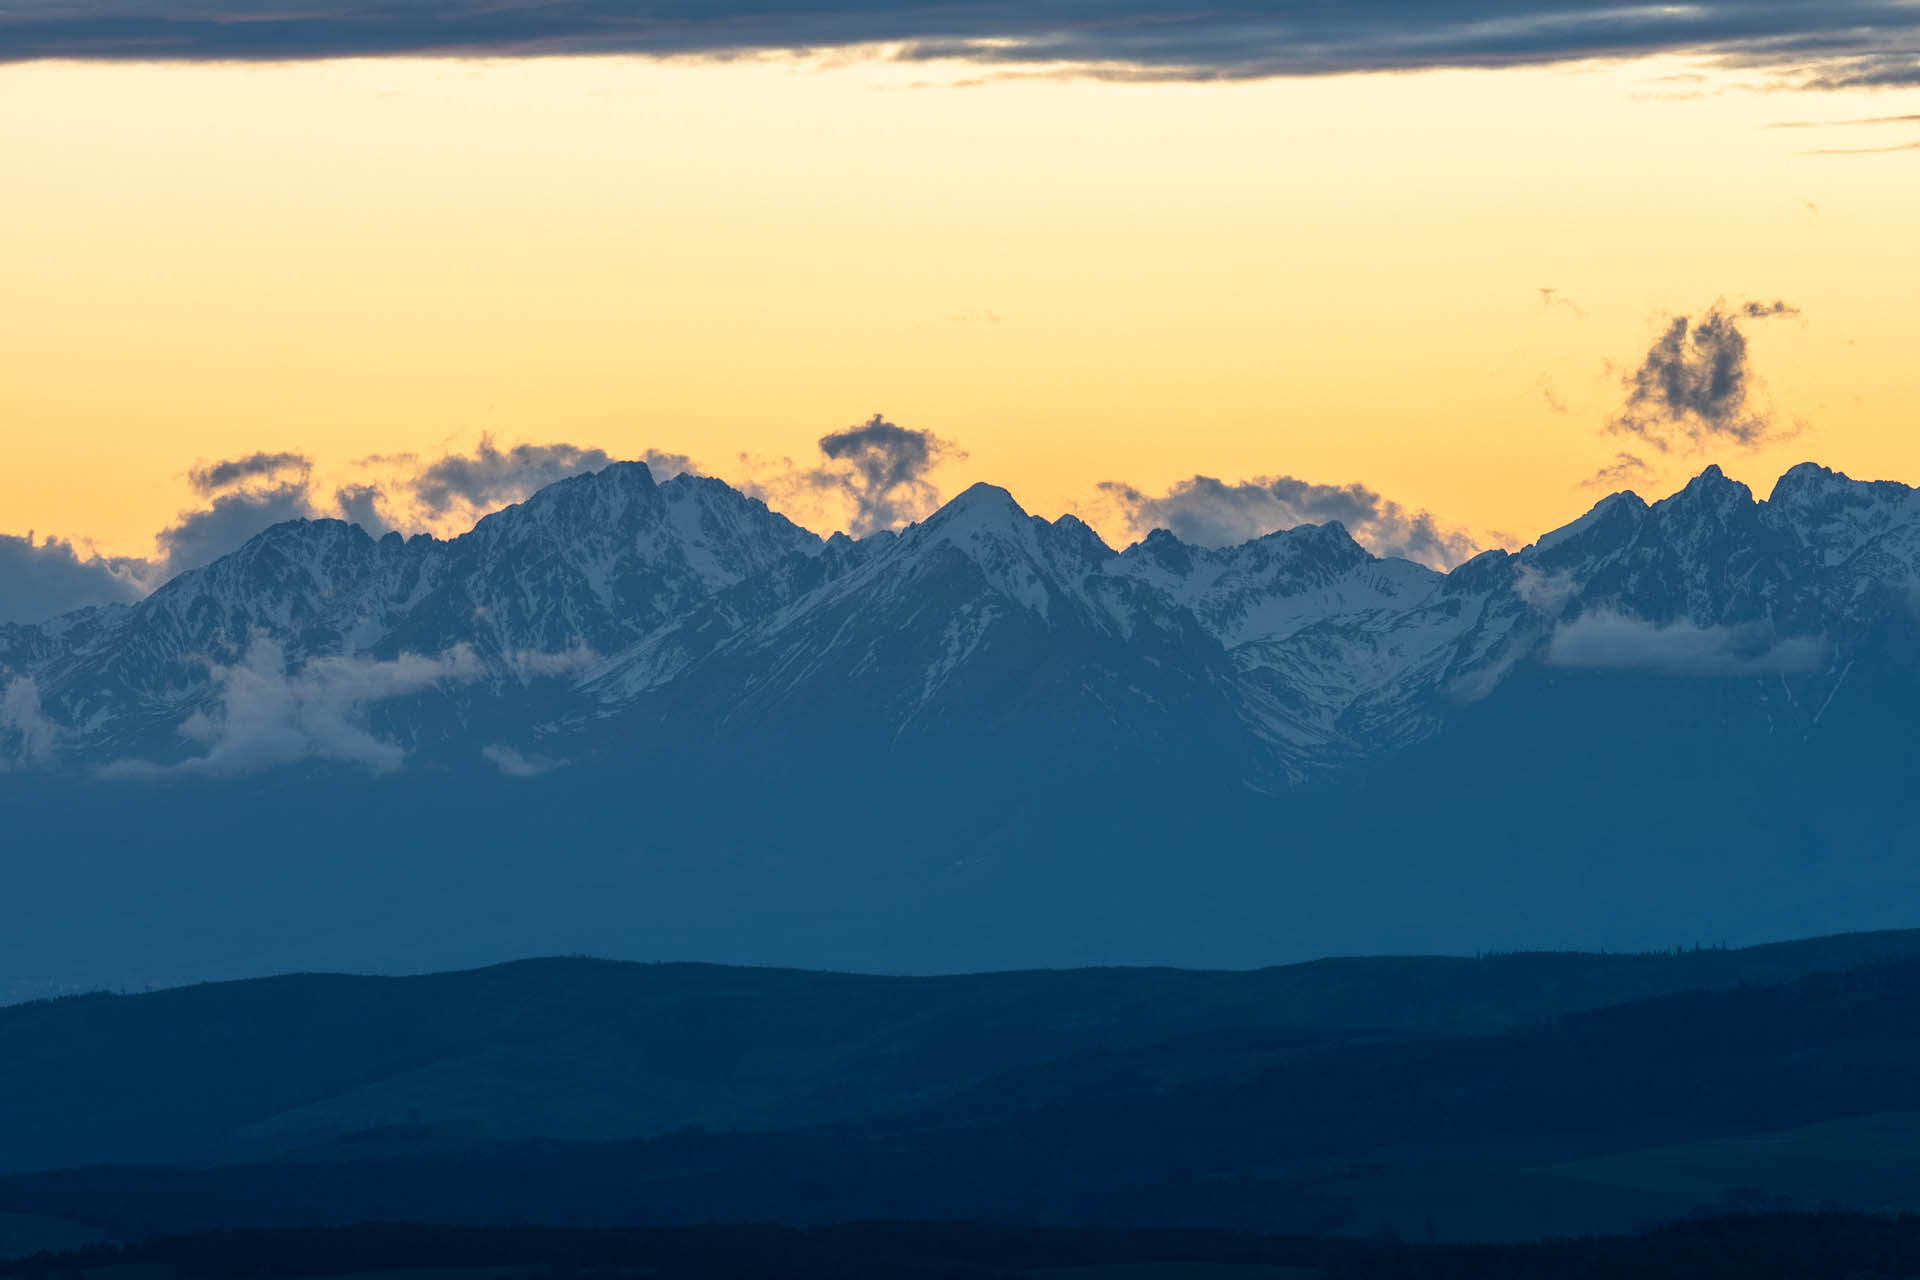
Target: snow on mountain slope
[
  {"x": 584, "y": 567},
  {"x": 981, "y": 614},
  {"x": 610, "y": 599}
]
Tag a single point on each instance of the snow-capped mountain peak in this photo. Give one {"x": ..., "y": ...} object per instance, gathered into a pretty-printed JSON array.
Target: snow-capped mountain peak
[{"x": 609, "y": 599}]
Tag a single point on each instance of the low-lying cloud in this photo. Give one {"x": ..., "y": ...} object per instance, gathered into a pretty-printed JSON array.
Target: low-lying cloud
[
  {"x": 1818, "y": 44},
  {"x": 34, "y": 737},
  {"x": 1693, "y": 388},
  {"x": 1607, "y": 639},
  {"x": 513, "y": 763},
  {"x": 1216, "y": 513},
  {"x": 267, "y": 716}
]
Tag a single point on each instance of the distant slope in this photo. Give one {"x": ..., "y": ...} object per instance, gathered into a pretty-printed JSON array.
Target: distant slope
[
  {"x": 594, "y": 1050},
  {"x": 1601, "y": 1120}
]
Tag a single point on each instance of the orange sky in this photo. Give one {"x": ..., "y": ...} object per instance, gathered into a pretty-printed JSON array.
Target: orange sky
[{"x": 1336, "y": 278}]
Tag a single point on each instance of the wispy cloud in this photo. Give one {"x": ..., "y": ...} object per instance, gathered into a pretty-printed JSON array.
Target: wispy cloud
[
  {"x": 219, "y": 476},
  {"x": 1844, "y": 124},
  {"x": 1863, "y": 151},
  {"x": 1620, "y": 473}
]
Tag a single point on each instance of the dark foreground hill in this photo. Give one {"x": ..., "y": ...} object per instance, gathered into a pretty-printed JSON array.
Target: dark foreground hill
[
  {"x": 1744, "y": 1247},
  {"x": 1803, "y": 1094},
  {"x": 593, "y": 1050}
]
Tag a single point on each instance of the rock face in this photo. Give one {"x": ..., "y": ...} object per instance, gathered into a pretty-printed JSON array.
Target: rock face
[{"x": 610, "y": 614}]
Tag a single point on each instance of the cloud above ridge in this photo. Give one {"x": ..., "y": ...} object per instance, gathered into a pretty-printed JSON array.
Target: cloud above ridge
[
  {"x": 1799, "y": 43},
  {"x": 883, "y": 469},
  {"x": 1693, "y": 388},
  {"x": 242, "y": 497},
  {"x": 1217, "y": 513},
  {"x": 46, "y": 578}
]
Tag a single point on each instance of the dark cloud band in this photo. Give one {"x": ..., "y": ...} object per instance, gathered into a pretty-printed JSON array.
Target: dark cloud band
[{"x": 1820, "y": 43}]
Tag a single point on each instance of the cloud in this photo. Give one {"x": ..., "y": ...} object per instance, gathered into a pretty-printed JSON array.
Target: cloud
[
  {"x": 1544, "y": 593},
  {"x": 1796, "y": 43},
  {"x": 35, "y": 737},
  {"x": 1606, "y": 639},
  {"x": 1864, "y": 151},
  {"x": 233, "y": 472},
  {"x": 366, "y": 506},
  {"x": 512, "y": 764},
  {"x": 41, "y": 580},
  {"x": 1214, "y": 513},
  {"x": 490, "y": 477},
  {"x": 198, "y": 538},
  {"x": 248, "y": 495},
  {"x": 1618, "y": 474},
  {"x": 245, "y": 496},
  {"x": 1693, "y": 386},
  {"x": 1551, "y": 298},
  {"x": 883, "y": 470},
  {"x": 1844, "y": 124},
  {"x": 267, "y": 715}
]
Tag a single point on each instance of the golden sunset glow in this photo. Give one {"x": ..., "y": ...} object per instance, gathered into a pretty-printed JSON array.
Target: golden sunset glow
[{"x": 1339, "y": 278}]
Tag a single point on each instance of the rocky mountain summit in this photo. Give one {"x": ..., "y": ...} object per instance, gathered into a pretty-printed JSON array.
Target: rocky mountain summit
[{"x": 609, "y": 614}]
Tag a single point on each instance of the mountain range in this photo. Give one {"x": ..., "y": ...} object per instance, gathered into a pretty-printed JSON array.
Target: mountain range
[{"x": 630, "y": 716}]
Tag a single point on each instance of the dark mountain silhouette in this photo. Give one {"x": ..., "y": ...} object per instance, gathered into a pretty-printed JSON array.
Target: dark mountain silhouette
[
  {"x": 1785, "y": 1095},
  {"x": 586, "y": 1049}
]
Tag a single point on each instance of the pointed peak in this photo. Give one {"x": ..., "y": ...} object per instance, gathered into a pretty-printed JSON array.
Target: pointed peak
[
  {"x": 1082, "y": 536},
  {"x": 1712, "y": 487},
  {"x": 983, "y": 496},
  {"x": 1623, "y": 505},
  {"x": 1713, "y": 481},
  {"x": 978, "y": 507}
]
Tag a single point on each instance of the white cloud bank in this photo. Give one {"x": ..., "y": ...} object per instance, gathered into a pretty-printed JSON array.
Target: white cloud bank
[
  {"x": 36, "y": 737},
  {"x": 1606, "y": 639},
  {"x": 514, "y": 764},
  {"x": 268, "y": 716}
]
